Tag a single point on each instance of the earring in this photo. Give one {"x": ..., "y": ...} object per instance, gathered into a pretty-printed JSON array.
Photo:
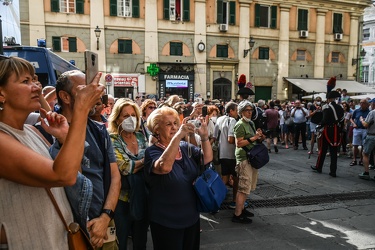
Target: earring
[{"x": 2, "y": 104}]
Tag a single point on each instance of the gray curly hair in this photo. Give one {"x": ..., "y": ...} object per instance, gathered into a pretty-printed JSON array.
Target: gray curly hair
[{"x": 242, "y": 105}]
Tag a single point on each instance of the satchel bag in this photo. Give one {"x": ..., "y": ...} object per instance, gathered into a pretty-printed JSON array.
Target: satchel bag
[
  {"x": 77, "y": 239},
  {"x": 210, "y": 189},
  {"x": 257, "y": 156}
]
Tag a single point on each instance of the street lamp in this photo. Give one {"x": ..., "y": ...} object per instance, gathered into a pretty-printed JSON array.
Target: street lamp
[
  {"x": 362, "y": 54},
  {"x": 251, "y": 45},
  {"x": 97, "y": 34}
]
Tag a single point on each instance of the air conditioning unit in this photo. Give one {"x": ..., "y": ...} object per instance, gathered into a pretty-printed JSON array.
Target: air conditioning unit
[
  {"x": 338, "y": 36},
  {"x": 303, "y": 33},
  {"x": 223, "y": 27}
]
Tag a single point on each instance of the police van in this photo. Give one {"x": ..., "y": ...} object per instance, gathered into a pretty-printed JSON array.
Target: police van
[{"x": 48, "y": 65}]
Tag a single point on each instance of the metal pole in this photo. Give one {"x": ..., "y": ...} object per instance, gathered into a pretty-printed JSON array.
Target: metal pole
[{"x": 1, "y": 38}]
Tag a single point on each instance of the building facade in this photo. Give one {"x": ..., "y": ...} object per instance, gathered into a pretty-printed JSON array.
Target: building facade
[
  {"x": 367, "y": 70},
  {"x": 199, "y": 48}
]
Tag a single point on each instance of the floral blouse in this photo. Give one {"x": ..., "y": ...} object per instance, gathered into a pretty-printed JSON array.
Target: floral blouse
[{"x": 126, "y": 159}]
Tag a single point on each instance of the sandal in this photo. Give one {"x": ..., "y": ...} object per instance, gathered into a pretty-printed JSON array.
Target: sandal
[{"x": 353, "y": 163}]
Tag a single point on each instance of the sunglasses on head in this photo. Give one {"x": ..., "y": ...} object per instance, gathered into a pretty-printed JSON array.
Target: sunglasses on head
[{"x": 2, "y": 57}]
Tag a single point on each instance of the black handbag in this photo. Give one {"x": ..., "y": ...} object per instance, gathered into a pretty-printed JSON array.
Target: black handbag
[{"x": 257, "y": 156}]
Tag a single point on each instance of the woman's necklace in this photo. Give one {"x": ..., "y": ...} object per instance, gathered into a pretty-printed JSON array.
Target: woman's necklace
[
  {"x": 179, "y": 157},
  {"x": 129, "y": 139}
]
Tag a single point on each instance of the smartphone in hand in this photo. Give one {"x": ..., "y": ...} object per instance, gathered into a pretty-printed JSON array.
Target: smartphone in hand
[
  {"x": 91, "y": 66},
  {"x": 204, "y": 111}
]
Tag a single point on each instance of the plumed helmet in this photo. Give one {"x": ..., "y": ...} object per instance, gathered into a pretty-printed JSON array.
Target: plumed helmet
[
  {"x": 243, "y": 104},
  {"x": 333, "y": 94}
]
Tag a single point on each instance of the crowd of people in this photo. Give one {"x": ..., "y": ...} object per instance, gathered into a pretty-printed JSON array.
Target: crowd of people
[{"x": 119, "y": 166}]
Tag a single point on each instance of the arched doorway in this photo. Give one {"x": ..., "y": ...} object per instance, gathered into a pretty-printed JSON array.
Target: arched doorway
[{"x": 222, "y": 89}]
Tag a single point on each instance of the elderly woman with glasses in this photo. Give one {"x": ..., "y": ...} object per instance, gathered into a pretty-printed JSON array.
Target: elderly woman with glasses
[
  {"x": 171, "y": 166},
  {"x": 129, "y": 145},
  {"x": 246, "y": 135}
]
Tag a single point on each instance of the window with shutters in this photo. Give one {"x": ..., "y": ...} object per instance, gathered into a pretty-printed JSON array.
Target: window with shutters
[
  {"x": 303, "y": 17},
  {"x": 226, "y": 12},
  {"x": 222, "y": 51},
  {"x": 365, "y": 74},
  {"x": 68, "y": 6},
  {"x": 125, "y": 46},
  {"x": 124, "y": 8},
  {"x": 337, "y": 23},
  {"x": 64, "y": 44},
  {"x": 177, "y": 10},
  {"x": 265, "y": 16},
  {"x": 264, "y": 53},
  {"x": 175, "y": 49},
  {"x": 301, "y": 55},
  {"x": 335, "y": 57},
  {"x": 366, "y": 34}
]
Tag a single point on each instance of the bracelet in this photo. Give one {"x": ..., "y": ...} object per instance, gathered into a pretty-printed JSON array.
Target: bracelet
[
  {"x": 203, "y": 140},
  {"x": 249, "y": 140}
]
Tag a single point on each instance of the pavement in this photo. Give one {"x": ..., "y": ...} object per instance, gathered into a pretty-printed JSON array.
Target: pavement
[{"x": 297, "y": 208}]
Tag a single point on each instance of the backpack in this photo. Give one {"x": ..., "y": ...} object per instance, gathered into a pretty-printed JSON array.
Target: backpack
[{"x": 259, "y": 120}]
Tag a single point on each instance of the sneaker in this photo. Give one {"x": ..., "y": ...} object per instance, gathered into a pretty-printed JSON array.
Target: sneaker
[
  {"x": 241, "y": 219},
  {"x": 310, "y": 152},
  {"x": 232, "y": 205},
  {"x": 353, "y": 163},
  {"x": 247, "y": 213},
  {"x": 276, "y": 149},
  {"x": 371, "y": 167},
  {"x": 364, "y": 175}
]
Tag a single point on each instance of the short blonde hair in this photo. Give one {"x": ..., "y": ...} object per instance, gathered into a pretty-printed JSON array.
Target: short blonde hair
[
  {"x": 116, "y": 111},
  {"x": 16, "y": 65},
  {"x": 157, "y": 115}
]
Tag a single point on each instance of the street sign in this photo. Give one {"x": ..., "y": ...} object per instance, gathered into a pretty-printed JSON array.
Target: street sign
[{"x": 108, "y": 78}]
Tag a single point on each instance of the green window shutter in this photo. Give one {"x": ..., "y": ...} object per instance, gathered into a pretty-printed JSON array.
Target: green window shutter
[
  {"x": 222, "y": 51},
  {"x": 79, "y": 6},
  {"x": 232, "y": 13},
  {"x": 337, "y": 23},
  {"x": 257, "y": 15},
  {"x": 135, "y": 6},
  {"x": 175, "y": 49},
  {"x": 113, "y": 7},
  {"x": 128, "y": 47},
  {"x": 56, "y": 43},
  {"x": 166, "y": 9},
  {"x": 273, "y": 17},
  {"x": 72, "y": 44},
  {"x": 219, "y": 14},
  {"x": 121, "y": 46},
  {"x": 264, "y": 53},
  {"x": 302, "y": 19},
  {"x": 55, "y": 5},
  {"x": 186, "y": 11}
]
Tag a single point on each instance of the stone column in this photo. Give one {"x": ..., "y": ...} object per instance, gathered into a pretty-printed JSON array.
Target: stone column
[
  {"x": 283, "y": 56},
  {"x": 319, "y": 57},
  {"x": 353, "y": 51},
  {"x": 200, "y": 79}
]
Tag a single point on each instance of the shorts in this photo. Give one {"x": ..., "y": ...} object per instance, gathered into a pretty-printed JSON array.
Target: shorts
[
  {"x": 359, "y": 135},
  {"x": 369, "y": 144},
  {"x": 285, "y": 129},
  {"x": 272, "y": 133},
  {"x": 228, "y": 167},
  {"x": 247, "y": 176},
  {"x": 312, "y": 127}
]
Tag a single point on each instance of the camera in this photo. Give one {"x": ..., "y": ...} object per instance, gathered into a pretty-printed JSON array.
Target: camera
[{"x": 196, "y": 123}]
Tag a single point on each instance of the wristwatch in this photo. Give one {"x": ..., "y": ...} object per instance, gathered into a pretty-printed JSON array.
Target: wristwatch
[{"x": 109, "y": 212}]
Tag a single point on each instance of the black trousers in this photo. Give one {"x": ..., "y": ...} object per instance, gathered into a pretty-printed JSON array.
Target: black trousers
[
  {"x": 164, "y": 238},
  {"x": 324, "y": 145},
  {"x": 300, "y": 128}
]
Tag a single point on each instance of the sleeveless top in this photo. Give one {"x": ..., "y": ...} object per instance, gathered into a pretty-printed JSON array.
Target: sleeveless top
[{"x": 27, "y": 214}]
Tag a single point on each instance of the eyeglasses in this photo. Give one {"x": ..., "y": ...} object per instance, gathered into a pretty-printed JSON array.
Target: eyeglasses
[
  {"x": 151, "y": 107},
  {"x": 248, "y": 110}
]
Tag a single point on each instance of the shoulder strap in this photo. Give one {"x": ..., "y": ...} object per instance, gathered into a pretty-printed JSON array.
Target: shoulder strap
[
  {"x": 334, "y": 111},
  {"x": 57, "y": 208}
]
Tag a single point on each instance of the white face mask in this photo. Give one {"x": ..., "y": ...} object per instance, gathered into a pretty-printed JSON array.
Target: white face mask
[
  {"x": 129, "y": 124},
  {"x": 214, "y": 119},
  {"x": 317, "y": 103}
]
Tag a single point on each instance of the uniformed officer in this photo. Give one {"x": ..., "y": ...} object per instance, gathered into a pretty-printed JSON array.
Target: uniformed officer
[{"x": 332, "y": 123}]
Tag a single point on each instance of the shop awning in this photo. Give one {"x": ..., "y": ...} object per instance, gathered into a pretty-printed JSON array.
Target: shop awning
[{"x": 320, "y": 85}]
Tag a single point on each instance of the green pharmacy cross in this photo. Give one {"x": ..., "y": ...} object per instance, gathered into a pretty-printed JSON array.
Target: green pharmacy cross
[{"x": 153, "y": 69}]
